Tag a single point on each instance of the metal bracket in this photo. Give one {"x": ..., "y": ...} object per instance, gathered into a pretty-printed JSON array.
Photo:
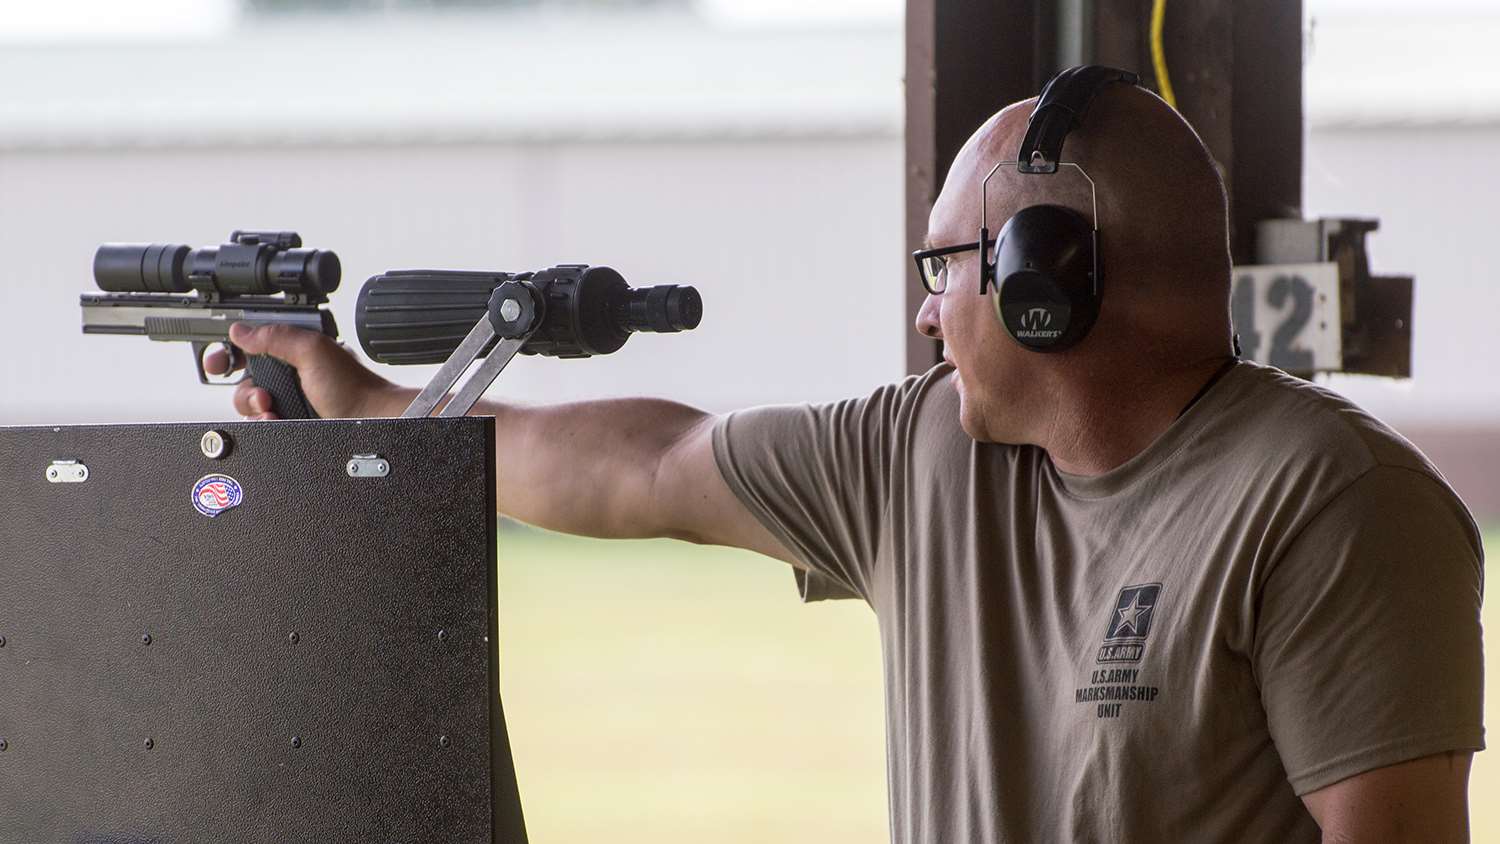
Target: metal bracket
[
  {"x": 1375, "y": 310},
  {"x": 67, "y": 472},
  {"x": 368, "y": 466},
  {"x": 504, "y": 306}
]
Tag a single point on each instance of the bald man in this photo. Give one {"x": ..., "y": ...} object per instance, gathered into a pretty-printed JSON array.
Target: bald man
[{"x": 1133, "y": 591}]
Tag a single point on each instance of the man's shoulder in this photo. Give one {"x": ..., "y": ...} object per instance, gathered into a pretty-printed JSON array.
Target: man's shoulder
[
  {"x": 922, "y": 405},
  {"x": 1289, "y": 421}
]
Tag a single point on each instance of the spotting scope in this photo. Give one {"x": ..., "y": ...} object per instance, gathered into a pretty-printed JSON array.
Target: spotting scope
[{"x": 570, "y": 311}]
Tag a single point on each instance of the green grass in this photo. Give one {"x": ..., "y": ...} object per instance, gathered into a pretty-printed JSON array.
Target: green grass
[
  {"x": 662, "y": 692},
  {"x": 665, "y": 692}
]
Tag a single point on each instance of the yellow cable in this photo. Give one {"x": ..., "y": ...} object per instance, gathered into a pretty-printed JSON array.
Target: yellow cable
[{"x": 1159, "y": 55}]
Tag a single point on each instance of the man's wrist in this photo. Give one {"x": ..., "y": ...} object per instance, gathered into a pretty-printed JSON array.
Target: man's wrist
[{"x": 387, "y": 401}]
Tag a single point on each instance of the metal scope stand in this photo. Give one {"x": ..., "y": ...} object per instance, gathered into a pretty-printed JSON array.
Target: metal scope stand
[{"x": 515, "y": 312}]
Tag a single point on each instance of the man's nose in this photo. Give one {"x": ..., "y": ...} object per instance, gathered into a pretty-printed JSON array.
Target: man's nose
[{"x": 927, "y": 318}]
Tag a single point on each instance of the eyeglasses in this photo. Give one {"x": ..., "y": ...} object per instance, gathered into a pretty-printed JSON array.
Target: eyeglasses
[{"x": 932, "y": 265}]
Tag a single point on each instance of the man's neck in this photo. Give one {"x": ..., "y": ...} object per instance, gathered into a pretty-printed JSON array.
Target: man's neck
[{"x": 1099, "y": 426}]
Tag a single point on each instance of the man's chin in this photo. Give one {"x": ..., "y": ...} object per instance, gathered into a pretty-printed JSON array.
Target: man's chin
[{"x": 971, "y": 422}]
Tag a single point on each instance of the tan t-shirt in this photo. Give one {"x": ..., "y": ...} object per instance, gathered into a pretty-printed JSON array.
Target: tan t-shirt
[{"x": 1277, "y": 594}]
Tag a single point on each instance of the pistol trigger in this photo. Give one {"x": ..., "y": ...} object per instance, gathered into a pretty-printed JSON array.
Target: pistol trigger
[{"x": 236, "y": 361}]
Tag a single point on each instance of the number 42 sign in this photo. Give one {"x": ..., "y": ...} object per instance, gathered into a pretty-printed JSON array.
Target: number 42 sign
[{"x": 1287, "y": 315}]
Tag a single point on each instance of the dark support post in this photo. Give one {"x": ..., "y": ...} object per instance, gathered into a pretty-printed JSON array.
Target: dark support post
[
  {"x": 1266, "y": 110},
  {"x": 1236, "y": 66},
  {"x": 965, "y": 59},
  {"x": 1237, "y": 70}
]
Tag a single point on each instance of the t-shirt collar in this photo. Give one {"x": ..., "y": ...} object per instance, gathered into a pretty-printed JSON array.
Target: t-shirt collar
[{"x": 1181, "y": 432}]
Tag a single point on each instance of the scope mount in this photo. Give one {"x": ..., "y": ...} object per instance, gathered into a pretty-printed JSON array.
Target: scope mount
[
  {"x": 515, "y": 312},
  {"x": 280, "y": 240}
]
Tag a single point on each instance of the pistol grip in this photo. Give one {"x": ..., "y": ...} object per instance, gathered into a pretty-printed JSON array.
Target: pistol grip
[{"x": 280, "y": 380}]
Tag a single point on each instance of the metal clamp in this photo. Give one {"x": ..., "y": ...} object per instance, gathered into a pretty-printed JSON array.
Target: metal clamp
[
  {"x": 515, "y": 313},
  {"x": 368, "y": 466},
  {"x": 67, "y": 472}
]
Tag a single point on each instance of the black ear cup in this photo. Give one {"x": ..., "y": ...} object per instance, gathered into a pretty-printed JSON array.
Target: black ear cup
[
  {"x": 1046, "y": 277},
  {"x": 1046, "y": 266}
]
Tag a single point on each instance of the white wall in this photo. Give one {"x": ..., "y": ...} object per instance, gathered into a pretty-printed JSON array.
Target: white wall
[
  {"x": 761, "y": 164},
  {"x": 796, "y": 246},
  {"x": 1433, "y": 189}
]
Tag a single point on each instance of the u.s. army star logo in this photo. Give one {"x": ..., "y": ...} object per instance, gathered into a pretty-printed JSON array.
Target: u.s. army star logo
[{"x": 1129, "y": 623}]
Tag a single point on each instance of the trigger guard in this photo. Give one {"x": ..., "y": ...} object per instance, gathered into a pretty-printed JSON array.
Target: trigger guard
[{"x": 236, "y": 358}]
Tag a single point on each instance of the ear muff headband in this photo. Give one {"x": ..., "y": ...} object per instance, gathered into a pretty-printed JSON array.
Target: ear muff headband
[{"x": 1059, "y": 110}]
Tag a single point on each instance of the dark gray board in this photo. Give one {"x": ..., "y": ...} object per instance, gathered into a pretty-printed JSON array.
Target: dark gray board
[{"x": 367, "y": 725}]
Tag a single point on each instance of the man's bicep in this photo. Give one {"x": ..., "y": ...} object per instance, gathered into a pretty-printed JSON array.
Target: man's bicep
[
  {"x": 697, "y": 504},
  {"x": 1422, "y": 800}
]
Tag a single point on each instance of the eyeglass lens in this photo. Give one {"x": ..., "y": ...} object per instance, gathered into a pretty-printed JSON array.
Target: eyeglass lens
[{"x": 933, "y": 276}]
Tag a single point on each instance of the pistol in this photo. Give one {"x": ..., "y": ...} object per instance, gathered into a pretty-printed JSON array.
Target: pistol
[{"x": 166, "y": 291}]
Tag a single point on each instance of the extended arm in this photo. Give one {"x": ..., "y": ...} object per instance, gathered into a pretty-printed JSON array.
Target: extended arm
[
  {"x": 613, "y": 468},
  {"x": 620, "y": 468}
]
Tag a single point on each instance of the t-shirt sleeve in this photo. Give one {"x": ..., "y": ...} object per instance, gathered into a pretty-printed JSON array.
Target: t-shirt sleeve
[
  {"x": 1367, "y": 640},
  {"x": 819, "y": 476}
]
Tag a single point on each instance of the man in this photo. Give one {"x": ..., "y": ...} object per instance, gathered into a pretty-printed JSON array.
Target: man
[{"x": 1136, "y": 590}]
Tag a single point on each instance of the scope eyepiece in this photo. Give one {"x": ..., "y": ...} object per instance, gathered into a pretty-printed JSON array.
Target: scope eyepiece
[
  {"x": 301, "y": 271},
  {"x": 663, "y": 308}
]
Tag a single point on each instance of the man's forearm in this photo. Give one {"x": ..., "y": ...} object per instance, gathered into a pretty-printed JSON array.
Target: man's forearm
[{"x": 584, "y": 467}]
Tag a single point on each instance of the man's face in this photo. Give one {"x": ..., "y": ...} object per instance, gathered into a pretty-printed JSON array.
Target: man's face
[{"x": 992, "y": 370}]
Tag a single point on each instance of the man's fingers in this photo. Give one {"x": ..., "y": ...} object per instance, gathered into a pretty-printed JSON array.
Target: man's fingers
[
  {"x": 216, "y": 362},
  {"x": 294, "y": 345},
  {"x": 250, "y": 399}
]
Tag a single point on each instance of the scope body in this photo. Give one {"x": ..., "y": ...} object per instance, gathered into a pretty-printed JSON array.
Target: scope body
[
  {"x": 250, "y": 264},
  {"x": 421, "y": 316}
]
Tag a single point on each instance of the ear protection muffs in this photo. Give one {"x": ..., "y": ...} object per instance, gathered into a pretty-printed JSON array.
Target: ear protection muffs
[{"x": 1045, "y": 272}]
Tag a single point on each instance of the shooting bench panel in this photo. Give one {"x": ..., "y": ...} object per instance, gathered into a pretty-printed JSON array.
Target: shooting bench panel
[{"x": 316, "y": 663}]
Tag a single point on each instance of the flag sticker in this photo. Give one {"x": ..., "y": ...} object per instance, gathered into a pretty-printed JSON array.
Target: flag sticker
[{"x": 213, "y": 494}]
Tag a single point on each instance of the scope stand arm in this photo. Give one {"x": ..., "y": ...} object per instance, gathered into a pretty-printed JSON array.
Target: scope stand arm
[{"x": 516, "y": 331}]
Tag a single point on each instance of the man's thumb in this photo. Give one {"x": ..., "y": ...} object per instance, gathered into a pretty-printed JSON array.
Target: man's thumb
[
  {"x": 278, "y": 341},
  {"x": 246, "y": 337}
]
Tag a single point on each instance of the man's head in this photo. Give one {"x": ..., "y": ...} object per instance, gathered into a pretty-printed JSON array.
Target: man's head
[{"x": 1163, "y": 250}]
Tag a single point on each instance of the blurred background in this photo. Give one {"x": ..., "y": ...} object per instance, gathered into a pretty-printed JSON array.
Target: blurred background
[{"x": 658, "y": 691}]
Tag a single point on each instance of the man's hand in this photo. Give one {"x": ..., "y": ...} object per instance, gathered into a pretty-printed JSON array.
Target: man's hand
[
  {"x": 1422, "y": 800},
  {"x": 336, "y": 384}
]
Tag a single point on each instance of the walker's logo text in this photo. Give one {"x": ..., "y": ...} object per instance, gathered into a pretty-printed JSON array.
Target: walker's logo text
[
  {"x": 213, "y": 494},
  {"x": 1036, "y": 324},
  {"x": 1124, "y": 641}
]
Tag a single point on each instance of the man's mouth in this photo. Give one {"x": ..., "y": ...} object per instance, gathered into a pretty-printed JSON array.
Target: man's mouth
[{"x": 958, "y": 381}]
